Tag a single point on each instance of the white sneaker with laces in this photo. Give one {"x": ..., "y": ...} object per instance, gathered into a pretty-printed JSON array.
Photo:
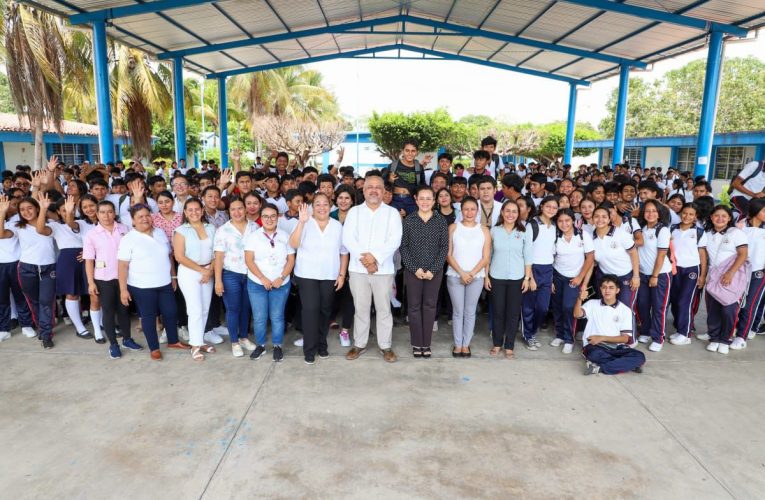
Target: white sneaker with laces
[
  {"x": 644, "y": 339},
  {"x": 713, "y": 346},
  {"x": 435, "y": 326},
  {"x": 5, "y": 336},
  {"x": 298, "y": 342},
  {"x": 702, "y": 336},
  {"x": 247, "y": 344},
  {"x": 345, "y": 338},
  {"x": 655, "y": 347},
  {"x": 568, "y": 348},
  {"x": 237, "y": 350},
  {"x": 29, "y": 332},
  {"x": 674, "y": 336},
  {"x": 163, "y": 337},
  {"x": 723, "y": 349},
  {"x": 678, "y": 339},
  {"x": 556, "y": 342},
  {"x": 212, "y": 338},
  {"x": 752, "y": 334},
  {"x": 221, "y": 330},
  {"x": 183, "y": 333},
  {"x": 737, "y": 344}
]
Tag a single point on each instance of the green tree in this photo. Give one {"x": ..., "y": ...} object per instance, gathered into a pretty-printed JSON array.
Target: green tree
[
  {"x": 6, "y": 101},
  {"x": 164, "y": 145},
  {"x": 552, "y": 140},
  {"x": 390, "y": 130}
]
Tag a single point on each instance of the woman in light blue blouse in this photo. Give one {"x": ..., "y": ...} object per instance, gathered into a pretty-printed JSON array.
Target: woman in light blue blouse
[{"x": 509, "y": 276}]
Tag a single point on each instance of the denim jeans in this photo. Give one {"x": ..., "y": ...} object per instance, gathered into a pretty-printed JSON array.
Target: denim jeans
[
  {"x": 268, "y": 305},
  {"x": 237, "y": 302}
]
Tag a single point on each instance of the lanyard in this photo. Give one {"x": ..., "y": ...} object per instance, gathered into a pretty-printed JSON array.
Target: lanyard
[{"x": 270, "y": 239}]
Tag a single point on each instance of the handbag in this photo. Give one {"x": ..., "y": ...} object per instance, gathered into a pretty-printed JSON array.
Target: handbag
[{"x": 727, "y": 295}]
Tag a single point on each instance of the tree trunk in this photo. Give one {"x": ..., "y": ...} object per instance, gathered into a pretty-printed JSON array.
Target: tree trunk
[{"x": 39, "y": 155}]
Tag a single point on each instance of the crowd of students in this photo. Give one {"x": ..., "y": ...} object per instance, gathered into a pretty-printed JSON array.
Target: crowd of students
[{"x": 602, "y": 254}]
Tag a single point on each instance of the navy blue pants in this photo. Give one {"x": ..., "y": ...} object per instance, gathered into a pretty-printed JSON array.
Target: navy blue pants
[
  {"x": 721, "y": 320},
  {"x": 39, "y": 286},
  {"x": 563, "y": 300},
  {"x": 652, "y": 304},
  {"x": 11, "y": 289},
  {"x": 151, "y": 302},
  {"x": 536, "y": 303},
  {"x": 682, "y": 297},
  {"x": 747, "y": 317},
  {"x": 614, "y": 360}
]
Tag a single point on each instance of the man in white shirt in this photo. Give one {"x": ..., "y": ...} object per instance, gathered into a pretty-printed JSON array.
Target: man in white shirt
[
  {"x": 180, "y": 185},
  {"x": 372, "y": 234},
  {"x": 748, "y": 184}
]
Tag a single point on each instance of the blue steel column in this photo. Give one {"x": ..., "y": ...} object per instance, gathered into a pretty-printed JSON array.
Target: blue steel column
[
  {"x": 570, "y": 124},
  {"x": 621, "y": 115},
  {"x": 178, "y": 111},
  {"x": 223, "y": 122},
  {"x": 103, "y": 97},
  {"x": 709, "y": 105}
]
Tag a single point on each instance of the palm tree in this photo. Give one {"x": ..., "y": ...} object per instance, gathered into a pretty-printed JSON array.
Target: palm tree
[
  {"x": 79, "y": 86},
  {"x": 35, "y": 57}
]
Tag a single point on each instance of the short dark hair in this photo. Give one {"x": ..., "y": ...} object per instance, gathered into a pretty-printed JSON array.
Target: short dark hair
[
  {"x": 446, "y": 156},
  {"x": 411, "y": 140},
  {"x": 282, "y": 154},
  {"x": 291, "y": 193},
  {"x": 609, "y": 278},
  {"x": 481, "y": 155},
  {"x": 488, "y": 141}
]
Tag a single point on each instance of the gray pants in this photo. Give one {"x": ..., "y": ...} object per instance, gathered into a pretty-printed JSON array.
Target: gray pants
[
  {"x": 464, "y": 304},
  {"x": 364, "y": 288}
]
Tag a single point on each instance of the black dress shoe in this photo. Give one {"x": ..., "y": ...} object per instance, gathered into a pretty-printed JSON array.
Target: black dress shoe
[
  {"x": 85, "y": 335},
  {"x": 456, "y": 354},
  {"x": 467, "y": 354}
]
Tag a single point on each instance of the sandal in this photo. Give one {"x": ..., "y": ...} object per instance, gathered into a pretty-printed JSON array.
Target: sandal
[
  {"x": 426, "y": 352},
  {"x": 207, "y": 348},
  {"x": 417, "y": 352},
  {"x": 494, "y": 351},
  {"x": 196, "y": 354},
  {"x": 509, "y": 354}
]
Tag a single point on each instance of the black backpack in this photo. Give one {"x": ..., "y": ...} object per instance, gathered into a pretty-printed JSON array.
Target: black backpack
[{"x": 757, "y": 171}]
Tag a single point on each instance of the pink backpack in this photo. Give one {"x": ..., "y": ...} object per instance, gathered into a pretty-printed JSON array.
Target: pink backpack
[{"x": 727, "y": 295}]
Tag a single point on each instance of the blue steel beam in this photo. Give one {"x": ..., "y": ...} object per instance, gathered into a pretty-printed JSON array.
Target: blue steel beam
[
  {"x": 370, "y": 23},
  {"x": 133, "y": 10},
  {"x": 103, "y": 97},
  {"x": 223, "y": 122},
  {"x": 662, "y": 16},
  {"x": 570, "y": 124},
  {"x": 709, "y": 105},
  {"x": 621, "y": 114},
  {"x": 179, "y": 114}
]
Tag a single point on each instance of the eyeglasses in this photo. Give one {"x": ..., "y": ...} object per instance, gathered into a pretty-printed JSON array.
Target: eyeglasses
[{"x": 269, "y": 217}]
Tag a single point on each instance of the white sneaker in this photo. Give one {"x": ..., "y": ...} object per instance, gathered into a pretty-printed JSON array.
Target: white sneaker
[
  {"x": 713, "y": 346},
  {"x": 212, "y": 338},
  {"x": 752, "y": 334},
  {"x": 163, "y": 337},
  {"x": 237, "y": 350},
  {"x": 723, "y": 349},
  {"x": 183, "y": 333},
  {"x": 298, "y": 342},
  {"x": 678, "y": 339},
  {"x": 702, "y": 336},
  {"x": 644, "y": 339},
  {"x": 568, "y": 348},
  {"x": 655, "y": 347},
  {"x": 5, "y": 336},
  {"x": 435, "y": 326},
  {"x": 673, "y": 336},
  {"x": 737, "y": 344},
  {"x": 345, "y": 338},
  {"x": 221, "y": 330},
  {"x": 556, "y": 342},
  {"x": 29, "y": 332},
  {"x": 247, "y": 344}
]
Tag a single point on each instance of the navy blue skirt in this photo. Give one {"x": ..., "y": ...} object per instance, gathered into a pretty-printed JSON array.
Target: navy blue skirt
[{"x": 70, "y": 274}]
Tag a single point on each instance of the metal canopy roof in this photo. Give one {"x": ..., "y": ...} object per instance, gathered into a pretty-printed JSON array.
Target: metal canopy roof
[{"x": 575, "y": 41}]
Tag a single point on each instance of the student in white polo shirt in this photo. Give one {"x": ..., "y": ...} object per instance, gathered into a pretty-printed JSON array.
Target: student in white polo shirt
[
  {"x": 655, "y": 274},
  {"x": 727, "y": 249},
  {"x": 751, "y": 313},
  {"x": 608, "y": 332},
  {"x": 748, "y": 184}
]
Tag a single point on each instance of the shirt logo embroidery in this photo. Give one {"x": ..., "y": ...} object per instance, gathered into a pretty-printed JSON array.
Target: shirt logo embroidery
[
  {"x": 616, "y": 318},
  {"x": 693, "y": 276},
  {"x": 758, "y": 275},
  {"x": 613, "y": 244}
]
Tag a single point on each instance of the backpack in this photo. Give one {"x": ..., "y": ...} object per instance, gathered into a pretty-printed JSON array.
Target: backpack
[
  {"x": 757, "y": 171},
  {"x": 535, "y": 228},
  {"x": 418, "y": 172},
  {"x": 671, "y": 249}
]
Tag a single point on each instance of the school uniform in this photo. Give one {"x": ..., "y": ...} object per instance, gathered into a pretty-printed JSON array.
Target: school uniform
[
  {"x": 537, "y": 303},
  {"x": 751, "y": 312},
  {"x": 612, "y": 257},
  {"x": 610, "y": 321},
  {"x": 70, "y": 273},
  {"x": 10, "y": 288},
  {"x": 652, "y": 302},
  {"x": 686, "y": 245},
  {"x": 569, "y": 260},
  {"x": 721, "y": 320},
  {"x": 279, "y": 202}
]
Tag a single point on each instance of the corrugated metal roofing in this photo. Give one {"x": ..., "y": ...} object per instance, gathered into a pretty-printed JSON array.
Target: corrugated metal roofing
[{"x": 578, "y": 24}]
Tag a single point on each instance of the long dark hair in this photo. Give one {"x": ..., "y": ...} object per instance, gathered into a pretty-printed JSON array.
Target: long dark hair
[
  {"x": 189, "y": 201},
  {"x": 755, "y": 207},
  {"x": 711, "y": 227},
  {"x": 568, "y": 212},
  {"x": 88, "y": 197},
  {"x": 22, "y": 222},
  {"x": 519, "y": 225},
  {"x": 663, "y": 212}
]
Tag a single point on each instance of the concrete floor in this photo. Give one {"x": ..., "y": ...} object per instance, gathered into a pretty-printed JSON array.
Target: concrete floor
[{"x": 75, "y": 424}]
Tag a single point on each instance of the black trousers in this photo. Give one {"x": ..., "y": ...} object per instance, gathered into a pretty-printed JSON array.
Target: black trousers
[
  {"x": 109, "y": 293},
  {"x": 422, "y": 296},
  {"x": 506, "y": 300},
  {"x": 344, "y": 305},
  {"x": 316, "y": 298}
]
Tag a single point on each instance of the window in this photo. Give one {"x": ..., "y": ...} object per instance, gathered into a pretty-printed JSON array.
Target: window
[
  {"x": 728, "y": 162},
  {"x": 633, "y": 156},
  {"x": 71, "y": 154},
  {"x": 95, "y": 154},
  {"x": 608, "y": 154},
  {"x": 686, "y": 159}
]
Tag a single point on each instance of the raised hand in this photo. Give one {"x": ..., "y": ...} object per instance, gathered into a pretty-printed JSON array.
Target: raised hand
[
  {"x": 5, "y": 204},
  {"x": 303, "y": 213},
  {"x": 44, "y": 201},
  {"x": 52, "y": 163},
  {"x": 225, "y": 179},
  {"x": 235, "y": 154},
  {"x": 340, "y": 155},
  {"x": 69, "y": 205}
]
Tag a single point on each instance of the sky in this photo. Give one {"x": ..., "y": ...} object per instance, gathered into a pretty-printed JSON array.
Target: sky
[{"x": 364, "y": 86}]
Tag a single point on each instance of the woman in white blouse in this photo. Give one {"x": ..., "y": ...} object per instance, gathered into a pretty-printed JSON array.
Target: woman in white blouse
[
  {"x": 193, "y": 250},
  {"x": 320, "y": 270},
  {"x": 144, "y": 273},
  {"x": 231, "y": 275},
  {"x": 269, "y": 260}
]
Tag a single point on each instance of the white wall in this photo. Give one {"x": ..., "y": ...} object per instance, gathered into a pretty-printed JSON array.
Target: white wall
[
  {"x": 18, "y": 153},
  {"x": 657, "y": 157}
]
